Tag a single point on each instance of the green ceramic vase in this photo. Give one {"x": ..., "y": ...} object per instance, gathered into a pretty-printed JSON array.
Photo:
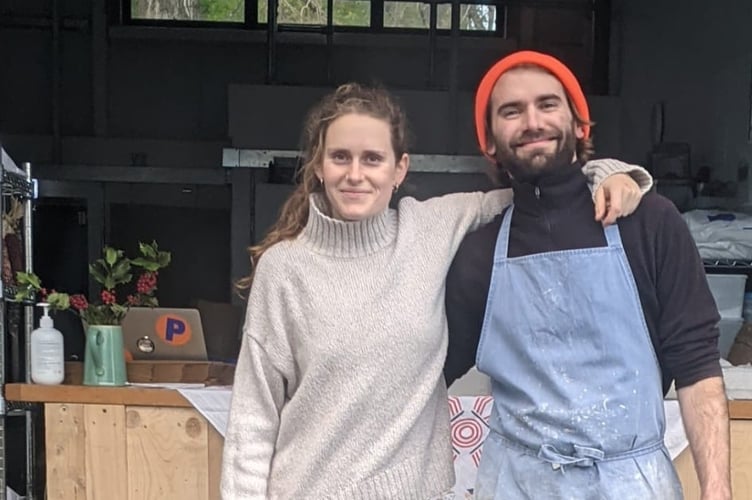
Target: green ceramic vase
[{"x": 104, "y": 363}]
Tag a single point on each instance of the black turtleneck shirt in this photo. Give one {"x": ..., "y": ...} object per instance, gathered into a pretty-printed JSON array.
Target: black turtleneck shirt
[{"x": 557, "y": 214}]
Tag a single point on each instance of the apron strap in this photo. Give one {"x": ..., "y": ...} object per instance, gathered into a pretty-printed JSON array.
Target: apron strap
[
  {"x": 613, "y": 236},
  {"x": 502, "y": 240}
]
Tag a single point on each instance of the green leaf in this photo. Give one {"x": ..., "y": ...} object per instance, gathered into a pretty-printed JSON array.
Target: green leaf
[
  {"x": 149, "y": 301},
  {"x": 97, "y": 273},
  {"x": 118, "y": 309},
  {"x": 164, "y": 259},
  {"x": 111, "y": 255},
  {"x": 120, "y": 273},
  {"x": 29, "y": 279},
  {"x": 148, "y": 250},
  {"x": 58, "y": 300},
  {"x": 149, "y": 265}
]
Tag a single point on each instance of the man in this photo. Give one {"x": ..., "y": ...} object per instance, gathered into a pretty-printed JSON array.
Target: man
[{"x": 580, "y": 328}]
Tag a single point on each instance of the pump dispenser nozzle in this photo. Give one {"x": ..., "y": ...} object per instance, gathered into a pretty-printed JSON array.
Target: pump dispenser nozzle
[{"x": 45, "y": 321}]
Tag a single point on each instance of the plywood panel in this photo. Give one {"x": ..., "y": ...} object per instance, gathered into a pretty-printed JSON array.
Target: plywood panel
[
  {"x": 106, "y": 464},
  {"x": 741, "y": 458},
  {"x": 167, "y": 453},
  {"x": 66, "y": 467},
  {"x": 216, "y": 445},
  {"x": 741, "y": 464}
]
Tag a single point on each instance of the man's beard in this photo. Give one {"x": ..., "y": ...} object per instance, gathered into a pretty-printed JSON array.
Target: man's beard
[{"x": 539, "y": 163}]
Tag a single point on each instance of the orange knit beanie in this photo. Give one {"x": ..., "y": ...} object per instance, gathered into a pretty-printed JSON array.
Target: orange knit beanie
[{"x": 549, "y": 63}]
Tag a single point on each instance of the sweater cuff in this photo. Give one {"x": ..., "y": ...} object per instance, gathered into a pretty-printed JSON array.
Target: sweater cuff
[{"x": 600, "y": 169}]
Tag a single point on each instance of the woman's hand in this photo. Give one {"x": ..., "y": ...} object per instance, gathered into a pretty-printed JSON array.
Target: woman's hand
[{"x": 618, "y": 196}]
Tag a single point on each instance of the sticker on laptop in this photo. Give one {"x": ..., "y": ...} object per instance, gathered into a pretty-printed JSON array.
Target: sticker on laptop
[{"x": 173, "y": 330}]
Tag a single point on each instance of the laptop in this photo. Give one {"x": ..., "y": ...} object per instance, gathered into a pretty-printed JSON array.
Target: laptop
[{"x": 161, "y": 333}]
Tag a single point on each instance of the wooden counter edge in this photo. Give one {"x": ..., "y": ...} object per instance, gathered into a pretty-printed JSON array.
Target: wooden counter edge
[
  {"x": 127, "y": 396},
  {"x": 145, "y": 396},
  {"x": 740, "y": 409}
]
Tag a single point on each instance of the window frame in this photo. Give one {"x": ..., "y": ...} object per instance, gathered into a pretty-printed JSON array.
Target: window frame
[{"x": 251, "y": 21}]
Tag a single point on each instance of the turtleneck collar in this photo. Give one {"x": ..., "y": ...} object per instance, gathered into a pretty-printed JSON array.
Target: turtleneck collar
[
  {"x": 347, "y": 239},
  {"x": 559, "y": 189}
]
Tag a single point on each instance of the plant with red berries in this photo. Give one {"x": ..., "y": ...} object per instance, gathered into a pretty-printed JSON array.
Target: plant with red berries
[{"x": 113, "y": 271}]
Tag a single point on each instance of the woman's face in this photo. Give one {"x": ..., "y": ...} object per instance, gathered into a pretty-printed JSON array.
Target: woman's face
[{"x": 358, "y": 168}]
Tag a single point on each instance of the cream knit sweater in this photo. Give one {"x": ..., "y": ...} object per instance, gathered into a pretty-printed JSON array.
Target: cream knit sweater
[{"x": 338, "y": 389}]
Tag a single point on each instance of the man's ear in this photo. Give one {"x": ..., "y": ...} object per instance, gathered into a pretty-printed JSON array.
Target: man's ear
[
  {"x": 490, "y": 146},
  {"x": 579, "y": 131}
]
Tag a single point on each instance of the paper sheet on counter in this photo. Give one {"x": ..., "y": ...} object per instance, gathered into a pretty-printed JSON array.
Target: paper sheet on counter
[
  {"x": 212, "y": 402},
  {"x": 12, "y": 495}
]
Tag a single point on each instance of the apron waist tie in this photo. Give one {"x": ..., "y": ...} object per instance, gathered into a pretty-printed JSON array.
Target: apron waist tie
[{"x": 583, "y": 456}]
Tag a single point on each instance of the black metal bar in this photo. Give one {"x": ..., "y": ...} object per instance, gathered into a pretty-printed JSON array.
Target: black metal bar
[
  {"x": 68, "y": 24},
  {"x": 601, "y": 38},
  {"x": 99, "y": 66},
  {"x": 126, "y": 11},
  {"x": 329, "y": 40},
  {"x": 271, "y": 41},
  {"x": 377, "y": 14},
  {"x": 454, "y": 61},
  {"x": 155, "y": 175},
  {"x": 432, "y": 43},
  {"x": 56, "y": 82},
  {"x": 250, "y": 16}
]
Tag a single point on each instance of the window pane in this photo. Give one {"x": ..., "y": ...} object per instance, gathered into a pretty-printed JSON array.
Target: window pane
[
  {"x": 295, "y": 12},
  {"x": 406, "y": 15},
  {"x": 473, "y": 17},
  {"x": 189, "y": 10},
  {"x": 352, "y": 13},
  {"x": 262, "y": 7}
]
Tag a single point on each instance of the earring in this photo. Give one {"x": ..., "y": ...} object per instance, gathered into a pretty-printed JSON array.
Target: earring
[
  {"x": 321, "y": 181},
  {"x": 396, "y": 187}
]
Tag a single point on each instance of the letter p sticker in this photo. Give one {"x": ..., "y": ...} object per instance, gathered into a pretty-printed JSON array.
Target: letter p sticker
[{"x": 173, "y": 330}]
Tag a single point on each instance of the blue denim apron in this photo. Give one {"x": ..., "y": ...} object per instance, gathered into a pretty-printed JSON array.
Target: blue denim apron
[{"x": 578, "y": 403}]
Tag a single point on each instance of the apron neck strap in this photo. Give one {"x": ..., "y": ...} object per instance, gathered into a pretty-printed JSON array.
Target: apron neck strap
[{"x": 502, "y": 240}]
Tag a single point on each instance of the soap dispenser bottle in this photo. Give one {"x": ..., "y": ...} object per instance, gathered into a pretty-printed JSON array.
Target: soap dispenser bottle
[{"x": 47, "y": 355}]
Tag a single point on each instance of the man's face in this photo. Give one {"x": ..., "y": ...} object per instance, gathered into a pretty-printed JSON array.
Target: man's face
[{"x": 532, "y": 125}]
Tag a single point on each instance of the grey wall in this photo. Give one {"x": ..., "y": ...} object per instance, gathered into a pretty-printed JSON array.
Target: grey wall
[
  {"x": 166, "y": 96},
  {"x": 697, "y": 57},
  {"x": 263, "y": 116},
  {"x": 178, "y": 96}
]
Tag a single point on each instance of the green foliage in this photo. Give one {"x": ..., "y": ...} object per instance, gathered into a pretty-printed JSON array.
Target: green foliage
[
  {"x": 111, "y": 270},
  {"x": 221, "y": 10},
  {"x": 151, "y": 258},
  {"x": 352, "y": 13},
  {"x": 313, "y": 12}
]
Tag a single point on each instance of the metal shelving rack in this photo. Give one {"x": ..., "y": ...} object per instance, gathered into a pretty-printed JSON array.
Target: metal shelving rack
[
  {"x": 16, "y": 183},
  {"x": 734, "y": 264}
]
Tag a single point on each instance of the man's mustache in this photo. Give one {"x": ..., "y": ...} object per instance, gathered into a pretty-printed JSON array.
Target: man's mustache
[{"x": 528, "y": 137}]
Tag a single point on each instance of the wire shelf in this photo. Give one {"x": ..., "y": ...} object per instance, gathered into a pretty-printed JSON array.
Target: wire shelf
[
  {"x": 740, "y": 264},
  {"x": 14, "y": 185}
]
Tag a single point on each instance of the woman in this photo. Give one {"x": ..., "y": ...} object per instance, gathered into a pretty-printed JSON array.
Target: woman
[{"x": 338, "y": 389}]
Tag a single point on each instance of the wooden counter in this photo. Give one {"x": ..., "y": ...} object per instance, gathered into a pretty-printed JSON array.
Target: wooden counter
[
  {"x": 135, "y": 443},
  {"x": 124, "y": 443}
]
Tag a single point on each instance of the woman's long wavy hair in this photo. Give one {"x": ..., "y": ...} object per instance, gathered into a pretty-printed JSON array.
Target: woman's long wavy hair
[{"x": 347, "y": 99}]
